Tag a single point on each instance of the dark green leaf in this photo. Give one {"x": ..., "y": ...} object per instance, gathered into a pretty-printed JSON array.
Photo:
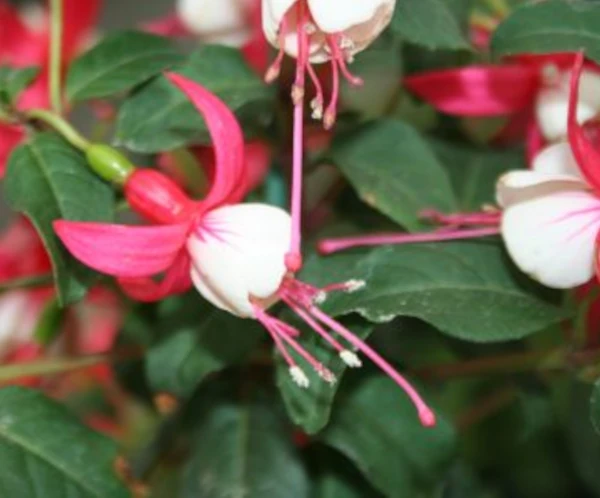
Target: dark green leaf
[
  {"x": 475, "y": 171},
  {"x": 160, "y": 116},
  {"x": 48, "y": 180},
  {"x": 431, "y": 23},
  {"x": 375, "y": 425},
  {"x": 184, "y": 358},
  {"x": 49, "y": 324},
  {"x": 394, "y": 170},
  {"x": 13, "y": 81},
  {"x": 310, "y": 408},
  {"x": 46, "y": 452},
  {"x": 465, "y": 289},
  {"x": 243, "y": 449},
  {"x": 595, "y": 406},
  {"x": 551, "y": 26},
  {"x": 118, "y": 63}
]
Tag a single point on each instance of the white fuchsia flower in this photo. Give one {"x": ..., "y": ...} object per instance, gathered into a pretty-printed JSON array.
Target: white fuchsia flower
[
  {"x": 234, "y": 254},
  {"x": 550, "y": 217}
]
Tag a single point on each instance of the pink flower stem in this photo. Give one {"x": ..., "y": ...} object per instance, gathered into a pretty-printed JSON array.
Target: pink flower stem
[
  {"x": 330, "y": 246},
  {"x": 426, "y": 415}
]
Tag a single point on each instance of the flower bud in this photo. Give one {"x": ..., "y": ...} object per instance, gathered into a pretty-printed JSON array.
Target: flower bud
[
  {"x": 157, "y": 198},
  {"x": 109, "y": 163}
]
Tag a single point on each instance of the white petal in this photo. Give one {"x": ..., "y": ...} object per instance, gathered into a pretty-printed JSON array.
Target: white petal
[
  {"x": 552, "y": 104},
  {"x": 552, "y": 238},
  {"x": 335, "y": 16},
  {"x": 238, "y": 253},
  {"x": 16, "y": 324},
  {"x": 524, "y": 185},
  {"x": 221, "y": 21},
  {"x": 557, "y": 159},
  {"x": 273, "y": 12}
]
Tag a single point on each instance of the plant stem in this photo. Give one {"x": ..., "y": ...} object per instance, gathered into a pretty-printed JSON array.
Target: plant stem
[
  {"x": 56, "y": 36},
  {"x": 27, "y": 282},
  {"x": 61, "y": 126},
  {"x": 552, "y": 360},
  {"x": 60, "y": 365}
]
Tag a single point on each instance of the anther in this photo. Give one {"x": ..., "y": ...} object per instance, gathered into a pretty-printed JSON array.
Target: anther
[
  {"x": 350, "y": 359},
  {"x": 299, "y": 377}
]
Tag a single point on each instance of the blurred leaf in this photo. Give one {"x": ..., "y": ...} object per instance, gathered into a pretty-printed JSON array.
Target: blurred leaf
[
  {"x": 310, "y": 408},
  {"x": 431, "y": 23},
  {"x": 394, "y": 170},
  {"x": 595, "y": 407},
  {"x": 48, "y": 180},
  {"x": 46, "y": 452},
  {"x": 185, "y": 357},
  {"x": 376, "y": 426},
  {"x": 243, "y": 449},
  {"x": 475, "y": 171},
  {"x": 160, "y": 117},
  {"x": 49, "y": 324},
  {"x": 550, "y": 26},
  {"x": 118, "y": 63},
  {"x": 13, "y": 81},
  {"x": 466, "y": 289}
]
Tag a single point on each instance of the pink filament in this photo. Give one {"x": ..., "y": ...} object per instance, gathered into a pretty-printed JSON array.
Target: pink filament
[
  {"x": 266, "y": 321},
  {"x": 461, "y": 219},
  {"x": 426, "y": 415},
  {"x": 330, "y": 246}
]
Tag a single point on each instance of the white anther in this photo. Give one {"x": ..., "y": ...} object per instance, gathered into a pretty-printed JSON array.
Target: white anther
[
  {"x": 299, "y": 377},
  {"x": 350, "y": 359}
]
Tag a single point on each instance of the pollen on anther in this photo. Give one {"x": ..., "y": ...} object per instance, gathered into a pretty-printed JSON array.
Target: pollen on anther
[
  {"x": 327, "y": 376},
  {"x": 299, "y": 377},
  {"x": 350, "y": 359},
  {"x": 355, "y": 285}
]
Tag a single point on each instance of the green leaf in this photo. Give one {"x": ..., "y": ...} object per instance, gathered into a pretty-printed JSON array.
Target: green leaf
[
  {"x": 243, "y": 449},
  {"x": 118, "y": 63},
  {"x": 595, "y": 406},
  {"x": 475, "y": 171},
  {"x": 431, "y": 23},
  {"x": 46, "y": 452},
  {"x": 310, "y": 408},
  {"x": 466, "y": 289},
  {"x": 394, "y": 171},
  {"x": 13, "y": 81},
  {"x": 49, "y": 324},
  {"x": 375, "y": 425},
  {"x": 160, "y": 117},
  {"x": 48, "y": 180},
  {"x": 185, "y": 358},
  {"x": 550, "y": 26}
]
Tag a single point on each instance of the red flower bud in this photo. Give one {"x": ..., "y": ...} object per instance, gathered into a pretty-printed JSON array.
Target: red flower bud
[{"x": 157, "y": 198}]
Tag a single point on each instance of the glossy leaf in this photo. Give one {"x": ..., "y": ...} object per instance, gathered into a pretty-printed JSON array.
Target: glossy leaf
[
  {"x": 46, "y": 452},
  {"x": 431, "y": 23},
  {"x": 310, "y": 408},
  {"x": 394, "y": 171},
  {"x": 244, "y": 448},
  {"x": 551, "y": 26},
  {"x": 48, "y": 180},
  {"x": 375, "y": 425},
  {"x": 160, "y": 116},
  {"x": 475, "y": 171},
  {"x": 595, "y": 406},
  {"x": 118, "y": 63},
  {"x": 466, "y": 290},
  {"x": 180, "y": 362}
]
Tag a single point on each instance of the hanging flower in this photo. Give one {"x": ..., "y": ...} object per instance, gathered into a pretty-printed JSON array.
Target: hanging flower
[
  {"x": 232, "y": 253},
  {"x": 550, "y": 218},
  {"x": 533, "y": 90},
  {"x": 24, "y": 43}
]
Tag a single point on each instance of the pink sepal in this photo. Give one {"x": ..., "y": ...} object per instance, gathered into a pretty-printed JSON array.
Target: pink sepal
[
  {"x": 176, "y": 280},
  {"x": 477, "y": 90},
  {"x": 120, "y": 250}
]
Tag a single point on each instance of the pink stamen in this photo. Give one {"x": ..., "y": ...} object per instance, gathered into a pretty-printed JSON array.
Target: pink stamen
[
  {"x": 330, "y": 246},
  {"x": 266, "y": 322},
  {"x": 462, "y": 219},
  {"x": 319, "y": 100},
  {"x": 426, "y": 415},
  {"x": 331, "y": 111},
  {"x": 338, "y": 56},
  {"x": 274, "y": 69}
]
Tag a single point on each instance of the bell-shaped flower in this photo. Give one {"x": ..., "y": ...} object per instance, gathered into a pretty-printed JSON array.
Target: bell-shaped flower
[
  {"x": 234, "y": 254},
  {"x": 550, "y": 217},
  {"x": 532, "y": 90}
]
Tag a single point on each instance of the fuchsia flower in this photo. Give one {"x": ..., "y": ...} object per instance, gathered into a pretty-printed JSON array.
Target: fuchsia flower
[
  {"x": 314, "y": 32},
  {"x": 233, "y": 253},
  {"x": 550, "y": 218},
  {"x": 22, "y": 45},
  {"x": 530, "y": 88}
]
